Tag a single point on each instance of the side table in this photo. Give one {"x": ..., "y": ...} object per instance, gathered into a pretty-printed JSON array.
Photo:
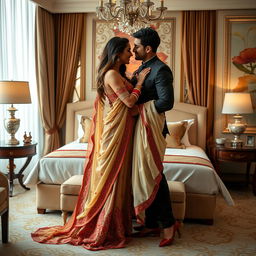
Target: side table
[
  {"x": 17, "y": 151},
  {"x": 226, "y": 153}
]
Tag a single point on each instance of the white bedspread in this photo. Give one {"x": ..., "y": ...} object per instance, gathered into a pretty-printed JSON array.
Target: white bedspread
[
  {"x": 197, "y": 178},
  {"x": 57, "y": 170}
]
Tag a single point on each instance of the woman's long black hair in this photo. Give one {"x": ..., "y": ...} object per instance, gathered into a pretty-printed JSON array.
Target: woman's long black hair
[{"x": 109, "y": 57}]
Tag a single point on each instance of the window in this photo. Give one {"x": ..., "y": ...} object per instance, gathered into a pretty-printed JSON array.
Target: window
[{"x": 77, "y": 86}]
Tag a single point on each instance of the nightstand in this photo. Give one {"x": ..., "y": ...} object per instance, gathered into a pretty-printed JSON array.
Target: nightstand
[
  {"x": 226, "y": 153},
  {"x": 17, "y": 151}
]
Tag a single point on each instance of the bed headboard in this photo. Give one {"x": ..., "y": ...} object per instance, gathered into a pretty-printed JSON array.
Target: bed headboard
[{"x": 180, "y": 111}]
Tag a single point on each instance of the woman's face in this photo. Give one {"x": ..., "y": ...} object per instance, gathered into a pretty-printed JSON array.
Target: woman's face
[{"x": 125, "y": 56}]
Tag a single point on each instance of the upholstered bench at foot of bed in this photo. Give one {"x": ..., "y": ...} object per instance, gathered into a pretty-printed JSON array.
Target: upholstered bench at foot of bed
[
  {"x": 70, "y": 189},
  {"x": 47, "y": 197}
]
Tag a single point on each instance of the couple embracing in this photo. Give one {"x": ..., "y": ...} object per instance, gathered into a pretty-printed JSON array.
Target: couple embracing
[{"x": 123, "y": 174}]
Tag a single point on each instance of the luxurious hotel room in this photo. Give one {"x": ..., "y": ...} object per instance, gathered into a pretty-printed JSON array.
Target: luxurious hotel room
[{"x": 199, "y": 41}]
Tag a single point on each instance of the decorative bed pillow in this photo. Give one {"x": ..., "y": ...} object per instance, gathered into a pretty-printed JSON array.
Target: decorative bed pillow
[
  {"x": 185, "y": 139},
  {"x": 86, "y": 126},
  {"x": 176, "y": 132}
]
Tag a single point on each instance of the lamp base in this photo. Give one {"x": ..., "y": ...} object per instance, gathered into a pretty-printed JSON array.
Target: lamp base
[
  {"x": 12, "y": 125},
  {"x": 12, "y": 141},
  {"x": 236, "y": 144},
  {"x": 237, "y": 128}
]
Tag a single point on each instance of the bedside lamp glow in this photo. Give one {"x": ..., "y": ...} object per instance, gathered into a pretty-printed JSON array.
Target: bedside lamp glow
[
  {"x": 237, "y": 103},
  {"x": 13, "y": 92}
]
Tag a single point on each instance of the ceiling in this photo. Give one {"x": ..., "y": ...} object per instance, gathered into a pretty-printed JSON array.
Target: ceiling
[{"x": 71, "y": 6}]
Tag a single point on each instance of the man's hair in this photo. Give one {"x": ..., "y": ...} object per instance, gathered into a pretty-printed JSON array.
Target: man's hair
[{"x": 148, "y": 36}]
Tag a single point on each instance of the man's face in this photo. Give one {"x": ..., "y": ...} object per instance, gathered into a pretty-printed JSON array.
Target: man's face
[{"x": 139, "y": 50}]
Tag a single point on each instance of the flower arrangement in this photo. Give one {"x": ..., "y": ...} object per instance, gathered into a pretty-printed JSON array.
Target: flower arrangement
[{"x": 246, "y": 61}]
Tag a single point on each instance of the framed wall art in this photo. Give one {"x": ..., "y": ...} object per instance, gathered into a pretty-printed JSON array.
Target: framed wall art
[
  {"x": 240, "y": 62},
  {"x": 102, "y": 31}
]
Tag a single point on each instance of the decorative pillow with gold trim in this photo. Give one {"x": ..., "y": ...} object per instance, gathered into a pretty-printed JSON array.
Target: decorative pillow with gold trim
[
  {"x": 185, "y": 140},
  {"x": 176, "y": 133}
]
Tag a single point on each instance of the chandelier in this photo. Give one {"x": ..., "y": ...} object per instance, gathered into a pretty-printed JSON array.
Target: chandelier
[{"x": 130, "y": 15}]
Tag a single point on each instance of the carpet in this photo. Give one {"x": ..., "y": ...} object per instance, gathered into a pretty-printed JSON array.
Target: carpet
[{"x": 233, "y": 232}]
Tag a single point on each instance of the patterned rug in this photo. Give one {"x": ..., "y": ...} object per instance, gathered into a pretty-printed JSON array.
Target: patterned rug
[{"x": 233, "y": 233}]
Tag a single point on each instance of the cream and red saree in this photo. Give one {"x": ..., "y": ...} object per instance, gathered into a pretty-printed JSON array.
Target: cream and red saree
[{"x": 102, "y": 218}]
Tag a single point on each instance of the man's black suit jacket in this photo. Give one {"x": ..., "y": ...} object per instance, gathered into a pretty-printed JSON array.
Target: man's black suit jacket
[{"x": 158, "y": 86}]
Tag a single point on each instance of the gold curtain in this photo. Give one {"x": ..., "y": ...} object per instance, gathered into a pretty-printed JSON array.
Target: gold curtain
[
  {"x": 69, "y": 29},
  {"x": 198, "y": 57},
  {"x": 58, "y": 46},
  {"x": 45, "y": 75}
]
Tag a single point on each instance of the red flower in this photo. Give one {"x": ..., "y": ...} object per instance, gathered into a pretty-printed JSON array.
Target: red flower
[
  {"x": 162, "y": 56},
  {"x": 248, "y": 55}
]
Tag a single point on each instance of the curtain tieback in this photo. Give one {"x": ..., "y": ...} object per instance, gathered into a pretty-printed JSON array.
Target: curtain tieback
[{"x": 52, "y": 130}]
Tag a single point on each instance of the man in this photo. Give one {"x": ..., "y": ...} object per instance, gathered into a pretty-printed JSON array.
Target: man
[{"x": 158, "y": 87}]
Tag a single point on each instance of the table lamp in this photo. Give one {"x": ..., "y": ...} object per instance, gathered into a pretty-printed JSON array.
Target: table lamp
[
  {"x": 13, "y": 92},
  {"x": 237, "y": 103}
]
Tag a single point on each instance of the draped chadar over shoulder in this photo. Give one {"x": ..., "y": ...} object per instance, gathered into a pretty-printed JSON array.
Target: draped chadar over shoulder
[{"x": 148, "y": 154}]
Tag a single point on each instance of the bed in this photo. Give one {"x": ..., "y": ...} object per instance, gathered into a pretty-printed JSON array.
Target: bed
[{"x": 188, "y": 164}]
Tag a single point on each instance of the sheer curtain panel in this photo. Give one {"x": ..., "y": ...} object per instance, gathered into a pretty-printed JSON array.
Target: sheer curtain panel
[{"x": 17, "y": 62}]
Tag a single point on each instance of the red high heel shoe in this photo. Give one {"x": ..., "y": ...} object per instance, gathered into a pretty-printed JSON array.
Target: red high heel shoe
[{"x": 169, "y": 241}]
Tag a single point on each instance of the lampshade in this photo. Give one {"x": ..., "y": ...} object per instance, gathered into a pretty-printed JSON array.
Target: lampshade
[
  {"x": 237, "y": 103},
  {"x": 14, "y": 92}
]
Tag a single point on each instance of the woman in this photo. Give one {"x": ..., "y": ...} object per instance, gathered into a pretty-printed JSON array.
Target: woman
[{"x": 102, "y": 217}]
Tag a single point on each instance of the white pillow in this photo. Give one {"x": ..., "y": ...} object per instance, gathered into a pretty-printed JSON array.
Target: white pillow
[
  {"x": 84, "y": 128},
  {"x": 185, "y": 138},
  {"x": 80, "y": 131}
]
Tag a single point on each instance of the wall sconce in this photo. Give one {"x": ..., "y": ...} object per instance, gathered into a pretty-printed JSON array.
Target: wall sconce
[
  {"x": 13, "y": 92},
  {"x": 237, "y": 103}
]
